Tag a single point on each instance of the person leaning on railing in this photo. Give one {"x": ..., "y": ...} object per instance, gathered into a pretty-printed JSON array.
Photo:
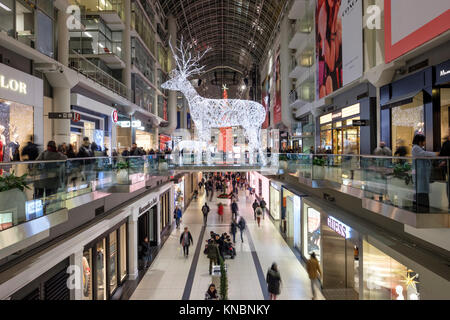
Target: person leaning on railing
[{"x": 422, "y": 173}]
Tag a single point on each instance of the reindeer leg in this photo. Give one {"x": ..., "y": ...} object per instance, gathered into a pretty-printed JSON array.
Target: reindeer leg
[{"x": 262, "y": 156}]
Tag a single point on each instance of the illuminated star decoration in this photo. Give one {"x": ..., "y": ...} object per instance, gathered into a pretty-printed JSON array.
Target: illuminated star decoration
[
  {"x": 224, "y": 87},
  {"x": 410, "y": 281}
]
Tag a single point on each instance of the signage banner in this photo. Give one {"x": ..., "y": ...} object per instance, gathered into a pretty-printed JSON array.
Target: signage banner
[
  {"x": 339, "y": 37},
  {"x": 411, "y": 23},
  {"x": 277, "y": 105},
  {"x": 266, "y": 101},
  {"x": 340, "y": 228},
  {"x": 443, "y": 73}
]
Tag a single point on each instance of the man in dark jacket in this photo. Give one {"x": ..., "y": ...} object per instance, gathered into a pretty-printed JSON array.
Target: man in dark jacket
[
  {"x": 212, "y": 252},
  {"x": 186, "y": 240},
  {"x": 31, "y": 150},
  {"x": 146, "y": 252},
  {"x": 85, "y": 150},
  {"x": 205, "y": 211},
  {"x": 254, "y": 206},
  {"x": 234, "y": 209},
  {"x": 263, "y": 205}
]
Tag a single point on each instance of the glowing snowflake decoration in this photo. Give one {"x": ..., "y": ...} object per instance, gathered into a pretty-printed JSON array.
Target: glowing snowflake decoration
[{"x": 209, "y": 113}]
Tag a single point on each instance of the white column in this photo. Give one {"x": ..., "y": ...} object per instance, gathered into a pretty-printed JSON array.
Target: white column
[
  {"x": 126, "y": 45},
  {"x": 133, "y": 247},
  {"x": 76, "y": 260},
  {"x": 172, "y": 102},
  {"x": 158, "y": 221},
  {"x": 61, "y": 95}
]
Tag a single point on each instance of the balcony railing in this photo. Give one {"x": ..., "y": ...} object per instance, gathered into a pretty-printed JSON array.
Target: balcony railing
[
  {"x": 415, "y": 185},
  {"x": 91, "y": 71}
]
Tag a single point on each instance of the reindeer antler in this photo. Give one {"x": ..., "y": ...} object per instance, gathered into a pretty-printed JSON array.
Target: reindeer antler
[{"x": 188, "y": 64}]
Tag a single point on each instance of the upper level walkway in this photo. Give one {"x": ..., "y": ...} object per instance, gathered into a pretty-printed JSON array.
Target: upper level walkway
[{"x": 413, "y": 191}]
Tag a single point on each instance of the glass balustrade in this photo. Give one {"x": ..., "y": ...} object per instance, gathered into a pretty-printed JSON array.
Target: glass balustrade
[{"x": 29, "y": 190}]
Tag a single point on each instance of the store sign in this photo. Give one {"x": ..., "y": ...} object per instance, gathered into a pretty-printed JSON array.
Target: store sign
[
  {"x": 336, "y": 115},
  {"x": 360, "y": 123},
  {"x": 34, "y": 209},
  {"x": 351, "y": 111},
  {"x": 148, "y": 205},
  {"x": 326, "y": 118},
  {"x": 443, "y": 73},
  {"x": 115, "y": 116},
  {"x": 13, "y": 85},
  {"x": 342, "y": 229},
  {"x": 128, "y": 124},
  {"x": 76, "y": 117},
  {"x": 60, "y": 115}
]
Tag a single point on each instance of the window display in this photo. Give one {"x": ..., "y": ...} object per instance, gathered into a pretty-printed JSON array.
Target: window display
[
  {"x": 87, "y": 274},
  {"x": 407, "y": 121},
  {"x": 16, "y": 127},
  {"x": 274, "y": 203},
  {"x": 112, "y": 261},
  {"x": 312, "y": 234},
  {"x": 179, "y": 195},
  {"x": 386, "y": 278},
  {"x": 123, "y": 251},
  {"x": 100, "y": 271}
]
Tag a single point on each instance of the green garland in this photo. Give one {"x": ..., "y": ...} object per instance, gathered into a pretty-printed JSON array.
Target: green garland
[
  {"x": 223, "y": 280},
  {"x": 11, "y": 181}
]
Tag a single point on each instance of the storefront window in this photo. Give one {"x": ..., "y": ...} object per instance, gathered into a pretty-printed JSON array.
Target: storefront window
[
  {"x": 311, "y": 235},
  {"x": 16, "y": 126},
  {"x": 87, "y": 274},
  {"x": 386, "y": 278},
  {"x": 274, "y": 203},
  {"x": 407, "y": 121},
  {"x": 179, "y": 195},
  {"x": 112, "y": 261},
  {"x": 7, "y": 16},
  {"x": 100, "y": 272},
  {"x": 445, "y": 112},
  {"x": 123, "y": 251},
  {"x": 44, "y": 41}
]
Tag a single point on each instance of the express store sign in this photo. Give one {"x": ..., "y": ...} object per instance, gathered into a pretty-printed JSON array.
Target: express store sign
[{"x": 340, "y": 228}]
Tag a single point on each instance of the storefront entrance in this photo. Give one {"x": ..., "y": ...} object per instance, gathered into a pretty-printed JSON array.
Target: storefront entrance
[
  {"x": 148, "y": 227},
  {"x": 340, "y": 266}
]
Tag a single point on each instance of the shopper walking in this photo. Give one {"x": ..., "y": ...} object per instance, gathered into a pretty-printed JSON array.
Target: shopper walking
[
  {"x": 211, "y": 294},
  {"x": 177, "y": 215},
  {"x": 220, "y": 210},
  {"x": 259, "y": 213},
  {"x": 233, "y": 229},
  {"x": 186, "y": 240},
  {"x": 313, "y": 269},
  {"x": 273, "y": 280},
  {"x": 242, "y": 225},
  {"x": 146, "y": 252},
  {"x": 263, "y": 206},
  {"x": 234, "y": 209},
  {"x": 213, "y": 253},
  {"x": 254, "y": 206},
  {"x": 205, "y": 211}
]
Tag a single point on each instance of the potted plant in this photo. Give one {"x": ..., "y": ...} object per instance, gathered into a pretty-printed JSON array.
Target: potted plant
[
  {"x": 283, "y": 161},
  {"x": 122, "y": 172},
  {"x": 162, "y": 164},
  {"x": 318, "y": 168},
  {"x": 12, "y": 196}
]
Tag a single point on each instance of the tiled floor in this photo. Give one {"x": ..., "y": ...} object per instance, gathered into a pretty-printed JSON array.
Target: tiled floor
[{"x": 166, "y": 278}]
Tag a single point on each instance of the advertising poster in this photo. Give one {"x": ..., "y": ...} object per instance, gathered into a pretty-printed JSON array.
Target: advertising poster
[
  {"x": 266, "y": 101},
  {"x": 339, "y": 52},
  {"x": 277, "y": 105},
  {"x": 411, "y": 23}
]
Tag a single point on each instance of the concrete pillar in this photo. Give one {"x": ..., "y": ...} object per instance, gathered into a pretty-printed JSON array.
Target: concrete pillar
[
  {"x": 61, "y": 95},
  {"x": 285, "y": 56},
  {"x": 76, "y": 260},
  {"x": 158, "y": 221},
  {"x": 133, "y": 247},
  {"x": 126, "y": 45},
  {"x": 172, "y": 102}
]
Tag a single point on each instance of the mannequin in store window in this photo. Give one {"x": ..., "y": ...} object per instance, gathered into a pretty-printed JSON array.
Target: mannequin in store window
[
  {"x": 14, "y": 145},
  {"x": 2, "y": 142}
]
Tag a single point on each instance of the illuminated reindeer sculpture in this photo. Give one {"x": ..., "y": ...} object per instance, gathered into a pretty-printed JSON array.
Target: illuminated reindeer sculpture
[{"x": 215, "y": 113}]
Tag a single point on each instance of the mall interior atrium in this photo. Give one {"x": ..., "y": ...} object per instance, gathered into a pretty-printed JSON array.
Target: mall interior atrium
[{"x": 224, "y": 150}]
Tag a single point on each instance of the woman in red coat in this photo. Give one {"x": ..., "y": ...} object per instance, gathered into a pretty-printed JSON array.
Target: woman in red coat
[{"x": 220, "y": 212}]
